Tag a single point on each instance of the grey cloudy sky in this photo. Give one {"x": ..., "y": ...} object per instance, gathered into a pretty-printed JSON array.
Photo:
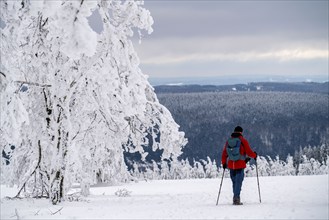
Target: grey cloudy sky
[{"x": 244, "y": 40}]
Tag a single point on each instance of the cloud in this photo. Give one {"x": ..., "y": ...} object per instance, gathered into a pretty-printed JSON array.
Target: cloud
[
  {"x": 282, "y": 56},
  {"x": 300, "y": 19},
  {"x": 240, "y": 49}
]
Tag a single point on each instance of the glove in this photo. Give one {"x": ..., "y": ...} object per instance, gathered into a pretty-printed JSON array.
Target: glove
[
  {"x": 256, "y": 155},
  {"x": 224, "y": 166},
  {"x": 247, "y": 159}
]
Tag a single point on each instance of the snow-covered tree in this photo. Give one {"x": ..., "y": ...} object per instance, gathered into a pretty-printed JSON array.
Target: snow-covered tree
[
  {"x": 152, "y": 171},
  {"x": 289, "y": 168},
  {"x": 156, "y": 170},
  {"x": 198, "y": 170},
  {"x": 277, "y": 166},
  {"x": 263, "y": 166},
  {"x": 85, "y": 100},
  {"x": 165, "y": 172},
  {"x": 135, "y": 171},
  {"x": 176, "y": 169},
  {"x": 315, "y": 166},
  {"x": 186, "y": 169},
  {"x": 325, "y": 166},
  {"x": 210, "y": 168},
  {"x": 305, "y": 167}
]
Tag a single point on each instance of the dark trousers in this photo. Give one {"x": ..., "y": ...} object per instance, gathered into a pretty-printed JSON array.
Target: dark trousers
[{"x": 237, "y": 179}]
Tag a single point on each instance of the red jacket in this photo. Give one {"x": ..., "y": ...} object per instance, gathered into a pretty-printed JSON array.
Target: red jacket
[{"x": 244, "y": 150}]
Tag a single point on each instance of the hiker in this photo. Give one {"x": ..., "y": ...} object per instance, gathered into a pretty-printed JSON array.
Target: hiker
[{"x": 238, "y": 153}]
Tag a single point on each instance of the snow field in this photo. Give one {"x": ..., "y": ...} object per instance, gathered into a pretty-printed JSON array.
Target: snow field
[{"x": 283, "y": 197}]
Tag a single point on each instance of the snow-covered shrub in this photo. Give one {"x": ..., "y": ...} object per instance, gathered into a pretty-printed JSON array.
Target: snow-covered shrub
[{"x": 122, "y": 193}]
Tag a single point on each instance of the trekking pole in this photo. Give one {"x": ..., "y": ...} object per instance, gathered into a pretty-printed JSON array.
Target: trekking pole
[
  {"x": 221, "y": 182},
  {"x": 260, "y": 201}
]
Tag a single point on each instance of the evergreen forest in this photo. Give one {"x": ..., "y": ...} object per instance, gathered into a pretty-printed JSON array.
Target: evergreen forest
[{"x": 275, "y": 123}]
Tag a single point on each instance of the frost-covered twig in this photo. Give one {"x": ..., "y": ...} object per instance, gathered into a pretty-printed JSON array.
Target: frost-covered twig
[
  {"x": 107, "y": 122},
  {"x": 12, "y": 198},
  {"x": 33, "y": 83},
  {"x": 53, "y": 213}
]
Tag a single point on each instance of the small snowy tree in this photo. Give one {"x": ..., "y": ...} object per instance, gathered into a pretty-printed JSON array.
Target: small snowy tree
[
  {"x": 263, "y": 166},
  {"x": 210, "y": 168},
  {"x": 165, "y": 172},
  {"x": 176, "y": 171},
  {"x": 305, "y": 167},
  {"x": 198, "y": 170},
  {"x": 87, "y": 100},
  {"x": 186, "y": 169},
  {"x": 135, "y": 171},
  {"x": 156, "y": 170},
  {"x": 289, "y": 168},
  {"x": 325, "y": 166},
  {"x": 277, "y": 166},
  {"x": 315, "y": 166}
]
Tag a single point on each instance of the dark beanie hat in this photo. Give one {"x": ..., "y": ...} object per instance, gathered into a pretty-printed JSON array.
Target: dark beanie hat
[{"x": 238, "y": 129}]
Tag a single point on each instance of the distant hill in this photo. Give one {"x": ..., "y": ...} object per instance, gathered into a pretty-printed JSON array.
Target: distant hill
[
  {"x": 278, "y": 118},
  {"x": 254, "y": 86}
]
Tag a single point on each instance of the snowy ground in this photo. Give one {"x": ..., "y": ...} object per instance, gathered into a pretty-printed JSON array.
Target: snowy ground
[{"x": 285, "y": 197}]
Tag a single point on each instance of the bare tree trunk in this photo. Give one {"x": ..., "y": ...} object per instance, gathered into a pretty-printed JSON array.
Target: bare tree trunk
[{"x": 57, "y": 188}]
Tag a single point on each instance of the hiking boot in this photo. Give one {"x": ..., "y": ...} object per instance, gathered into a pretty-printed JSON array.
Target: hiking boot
[{"x": 236, "y": 201}]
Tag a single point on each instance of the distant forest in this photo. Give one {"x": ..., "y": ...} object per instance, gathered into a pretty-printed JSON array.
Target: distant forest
[
  {"x": 274, "y": 123},
  {"x": 253, "y": 86}
]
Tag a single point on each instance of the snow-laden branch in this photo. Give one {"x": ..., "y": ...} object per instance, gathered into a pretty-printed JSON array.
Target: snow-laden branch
[{"x": 33, "y": 84}]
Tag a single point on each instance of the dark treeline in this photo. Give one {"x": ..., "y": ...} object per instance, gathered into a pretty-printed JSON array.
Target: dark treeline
[
  {"x": 253, "y": 86},
  {"x": 275, "y": 123}
]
